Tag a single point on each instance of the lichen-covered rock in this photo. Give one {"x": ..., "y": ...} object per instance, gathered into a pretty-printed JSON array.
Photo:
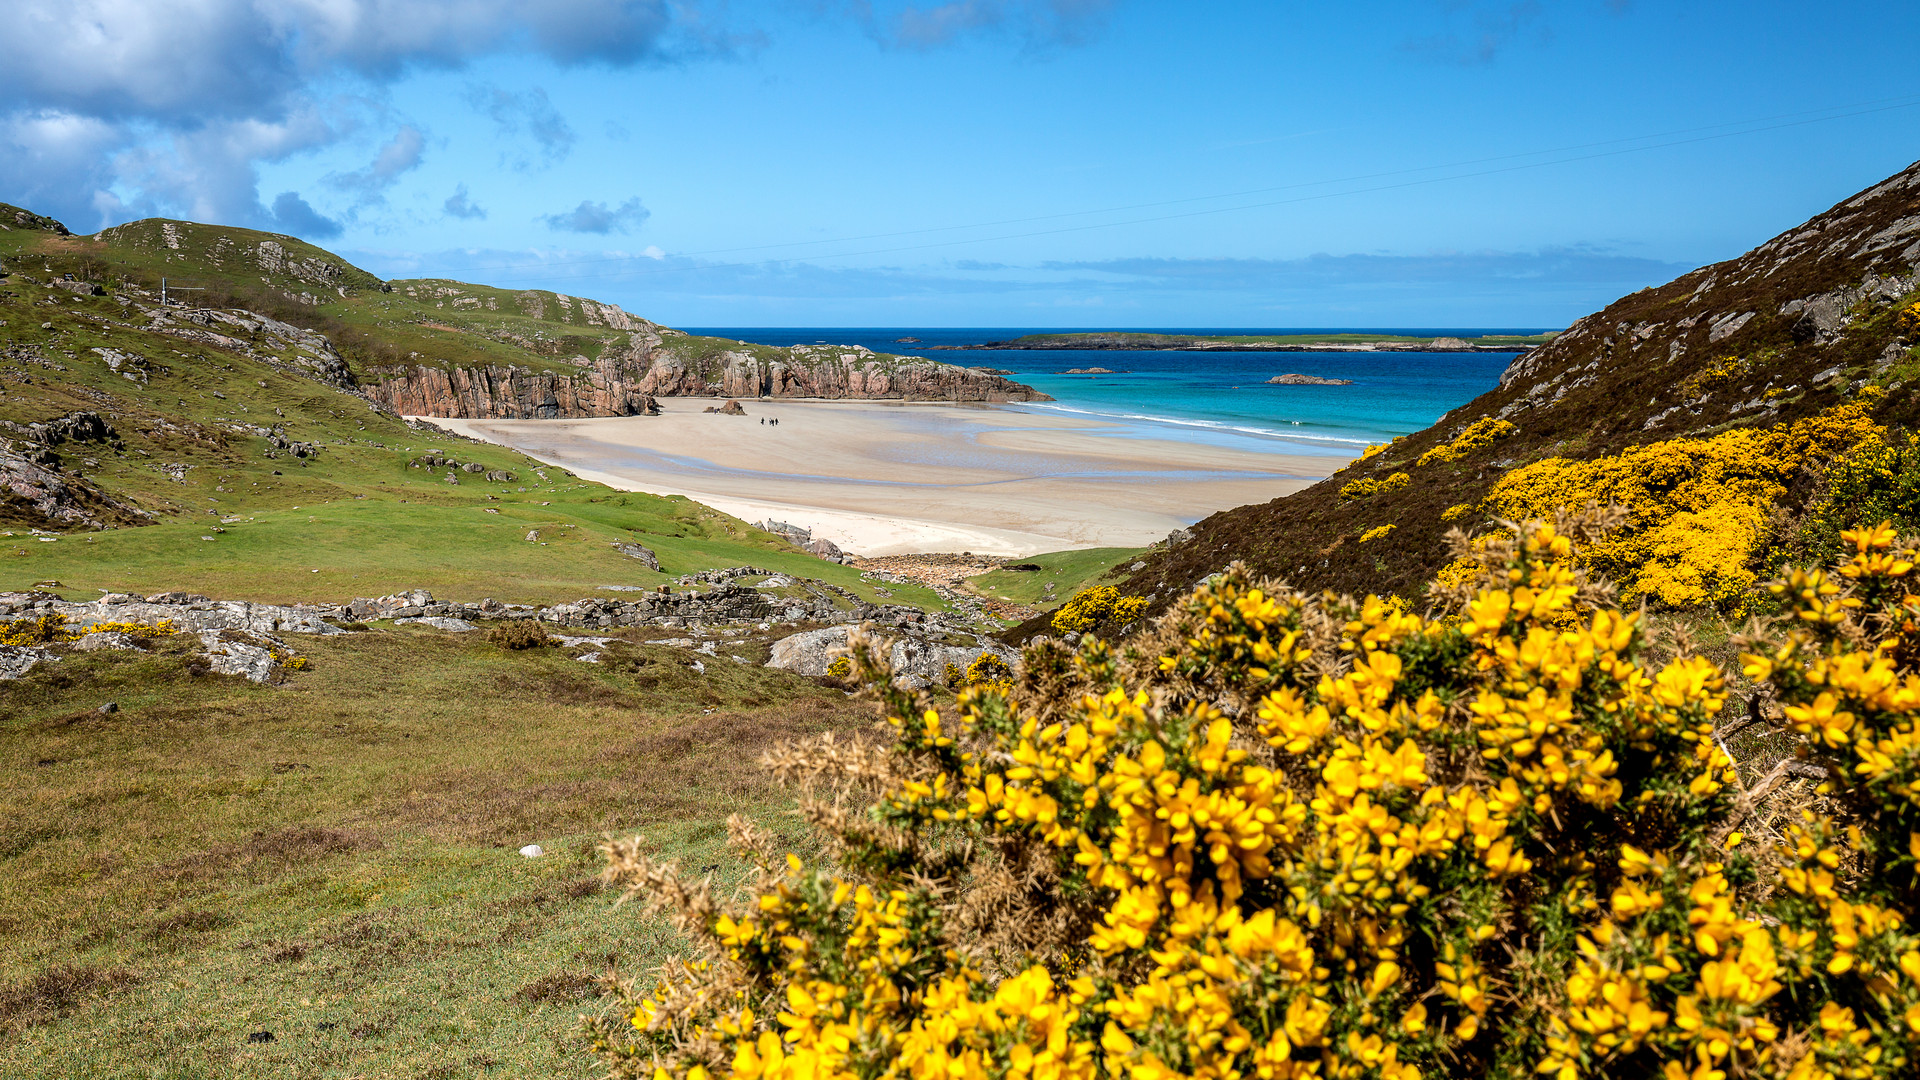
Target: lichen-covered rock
[
  {"x": 17, "y": 660},
  {"x": 225, "y": 656},
  {"x": 635, "y": 551},
  {"x": 809, "y": 652}
]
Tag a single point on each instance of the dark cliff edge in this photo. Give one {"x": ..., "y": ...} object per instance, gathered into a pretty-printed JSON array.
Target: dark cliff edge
[{"x": 1782, "y": 332}]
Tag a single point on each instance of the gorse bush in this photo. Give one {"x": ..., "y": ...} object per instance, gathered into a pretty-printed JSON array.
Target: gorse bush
[
  {"x": 1481, "y": 433},
  {"x": 1698, "y": 510},
  {"x": 1101, "y": 608},
  {"x": 1367, "y": 485},
  {"x": 1285, "y": 836},
  {"x": 1878, "y": 480}
]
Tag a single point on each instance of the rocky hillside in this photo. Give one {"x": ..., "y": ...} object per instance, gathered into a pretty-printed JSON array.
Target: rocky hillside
[
  {"x": 447, "y": 348},
  {"x": 1781, "y": 333}
]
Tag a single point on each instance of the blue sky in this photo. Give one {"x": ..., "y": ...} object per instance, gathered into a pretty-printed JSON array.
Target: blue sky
[{"x": 976, "y": 162}]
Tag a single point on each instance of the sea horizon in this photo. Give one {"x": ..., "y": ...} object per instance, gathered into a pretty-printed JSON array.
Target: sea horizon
[{"x": 1212, "y": 398}]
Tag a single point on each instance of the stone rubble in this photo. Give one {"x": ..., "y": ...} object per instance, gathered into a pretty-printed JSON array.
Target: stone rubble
[{"x": 924, "y": 642}]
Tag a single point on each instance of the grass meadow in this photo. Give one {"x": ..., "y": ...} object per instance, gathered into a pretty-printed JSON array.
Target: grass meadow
[{"x": 333, "y": 860}]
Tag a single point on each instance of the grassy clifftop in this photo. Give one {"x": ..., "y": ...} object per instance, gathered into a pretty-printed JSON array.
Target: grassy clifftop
[{"x": 382, "y": 328}]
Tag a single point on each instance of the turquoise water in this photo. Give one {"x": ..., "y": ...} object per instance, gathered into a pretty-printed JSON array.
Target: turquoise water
[{"x": 1216, "y": 398}]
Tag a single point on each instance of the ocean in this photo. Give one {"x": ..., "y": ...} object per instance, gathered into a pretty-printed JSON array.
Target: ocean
[{"x": 1218, "y": 398}]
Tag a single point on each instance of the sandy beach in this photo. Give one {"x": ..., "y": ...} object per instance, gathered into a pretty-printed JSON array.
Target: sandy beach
[{"x": 884, "y": 478}]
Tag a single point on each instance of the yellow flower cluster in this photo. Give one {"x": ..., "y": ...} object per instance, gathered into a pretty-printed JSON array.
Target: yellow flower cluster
[
  {"x": 1102, "y": 606},
  {"x": 1909, "y": 319},
  {"x": 1367, "y": 485},
  {"x": 1287, "y": 837},
  {"x": 988, "y": 670},
  {"x": 1698, "y": 508},
  {"x": 1456, "y": 511},
  {"x": 1481, "y": 433},
  {"x": 1715, "y": 374},
  {"x": 1376, "y": 532},
  {"x": 52, "y": 628}
]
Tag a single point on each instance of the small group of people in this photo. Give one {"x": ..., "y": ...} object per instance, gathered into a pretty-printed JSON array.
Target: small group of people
[{"x": 775, "y": 422}]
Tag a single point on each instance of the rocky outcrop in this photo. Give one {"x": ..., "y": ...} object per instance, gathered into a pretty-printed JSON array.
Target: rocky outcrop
[
  {"x": 810, "y": 652},
  {"x": 1296, "y": 379},
  {"x": 511, "y": 393},
  {"x": 731, "y": 408},
  {"x": 655, "y": 363},
  {"x": 257, "y": 337},
  {"x": 40, "y": 494},
  {"x": 17, "y": 660},
  {"x": 188, "y": 612},
  {"x": 12, "y": 217}
]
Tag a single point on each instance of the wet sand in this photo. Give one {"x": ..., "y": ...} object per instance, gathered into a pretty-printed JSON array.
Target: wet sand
[{"x": 884, "y": 478}]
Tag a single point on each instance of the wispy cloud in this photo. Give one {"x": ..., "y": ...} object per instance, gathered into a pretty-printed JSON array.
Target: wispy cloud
[
  {"x": 460, "y": 206},
  {"x": 530, "y": 112},
  {"x": 598, "y": 217},
  {"x": 1568, "y": 265},
  {"x": 1039, "y": 25},
  {"x": 395, "y": 159}
]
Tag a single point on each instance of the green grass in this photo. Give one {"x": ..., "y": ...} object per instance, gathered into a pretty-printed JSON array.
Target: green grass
[
  {"x": 428, "y": 321},
  {"x": 336, "y": 551},
  {"x": 360, "y": 512},
  {"x": 1067, "y": 571},
  {"x": 334, "y": 860}
]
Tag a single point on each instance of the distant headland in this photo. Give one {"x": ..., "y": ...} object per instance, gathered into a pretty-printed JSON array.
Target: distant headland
[{"x": 1265, "y": 342}]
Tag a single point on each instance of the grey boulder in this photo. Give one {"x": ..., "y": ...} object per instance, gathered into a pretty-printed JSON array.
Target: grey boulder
[
  {"x": 809, "y": 652},
  {"x": 439, "y": 622}
]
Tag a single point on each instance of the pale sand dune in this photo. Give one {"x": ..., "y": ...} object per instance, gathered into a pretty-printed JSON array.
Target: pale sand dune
[{"x": 883, "y": 478}]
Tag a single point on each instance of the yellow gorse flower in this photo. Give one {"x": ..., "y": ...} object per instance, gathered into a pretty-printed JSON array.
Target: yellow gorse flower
[{"x": 1290, "y": 837}]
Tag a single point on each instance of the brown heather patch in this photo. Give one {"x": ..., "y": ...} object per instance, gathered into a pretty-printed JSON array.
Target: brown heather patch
[{"x": 58, "y": 992}]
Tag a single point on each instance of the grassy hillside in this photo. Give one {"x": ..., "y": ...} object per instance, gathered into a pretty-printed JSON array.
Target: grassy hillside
[
  {"x": 195, "y": 429},
  {"x": 375, "y": 324},
  {"x": 1770, "y": 344},
  {"x": 334, "y": 860}
]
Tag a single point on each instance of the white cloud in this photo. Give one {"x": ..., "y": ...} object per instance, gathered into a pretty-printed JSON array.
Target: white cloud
[{"x": 156, "y": 98}]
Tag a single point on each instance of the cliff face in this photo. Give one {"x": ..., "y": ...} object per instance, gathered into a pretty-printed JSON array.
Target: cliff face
[
  {"x": 1778, "y": 334},
  {"x": 624, "y": 381},
  {"x": 509, "y": 393}
]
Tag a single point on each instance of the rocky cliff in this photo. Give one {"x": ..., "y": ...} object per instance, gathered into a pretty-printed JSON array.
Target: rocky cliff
[
  {"x": 624, "y": 380},
  {"x": 1778, "y": 334}
]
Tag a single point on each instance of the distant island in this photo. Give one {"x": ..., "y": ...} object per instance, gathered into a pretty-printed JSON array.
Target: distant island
[
  {"x": 1089, "y": 371},
  {"x": 1505, "y": 343}
]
